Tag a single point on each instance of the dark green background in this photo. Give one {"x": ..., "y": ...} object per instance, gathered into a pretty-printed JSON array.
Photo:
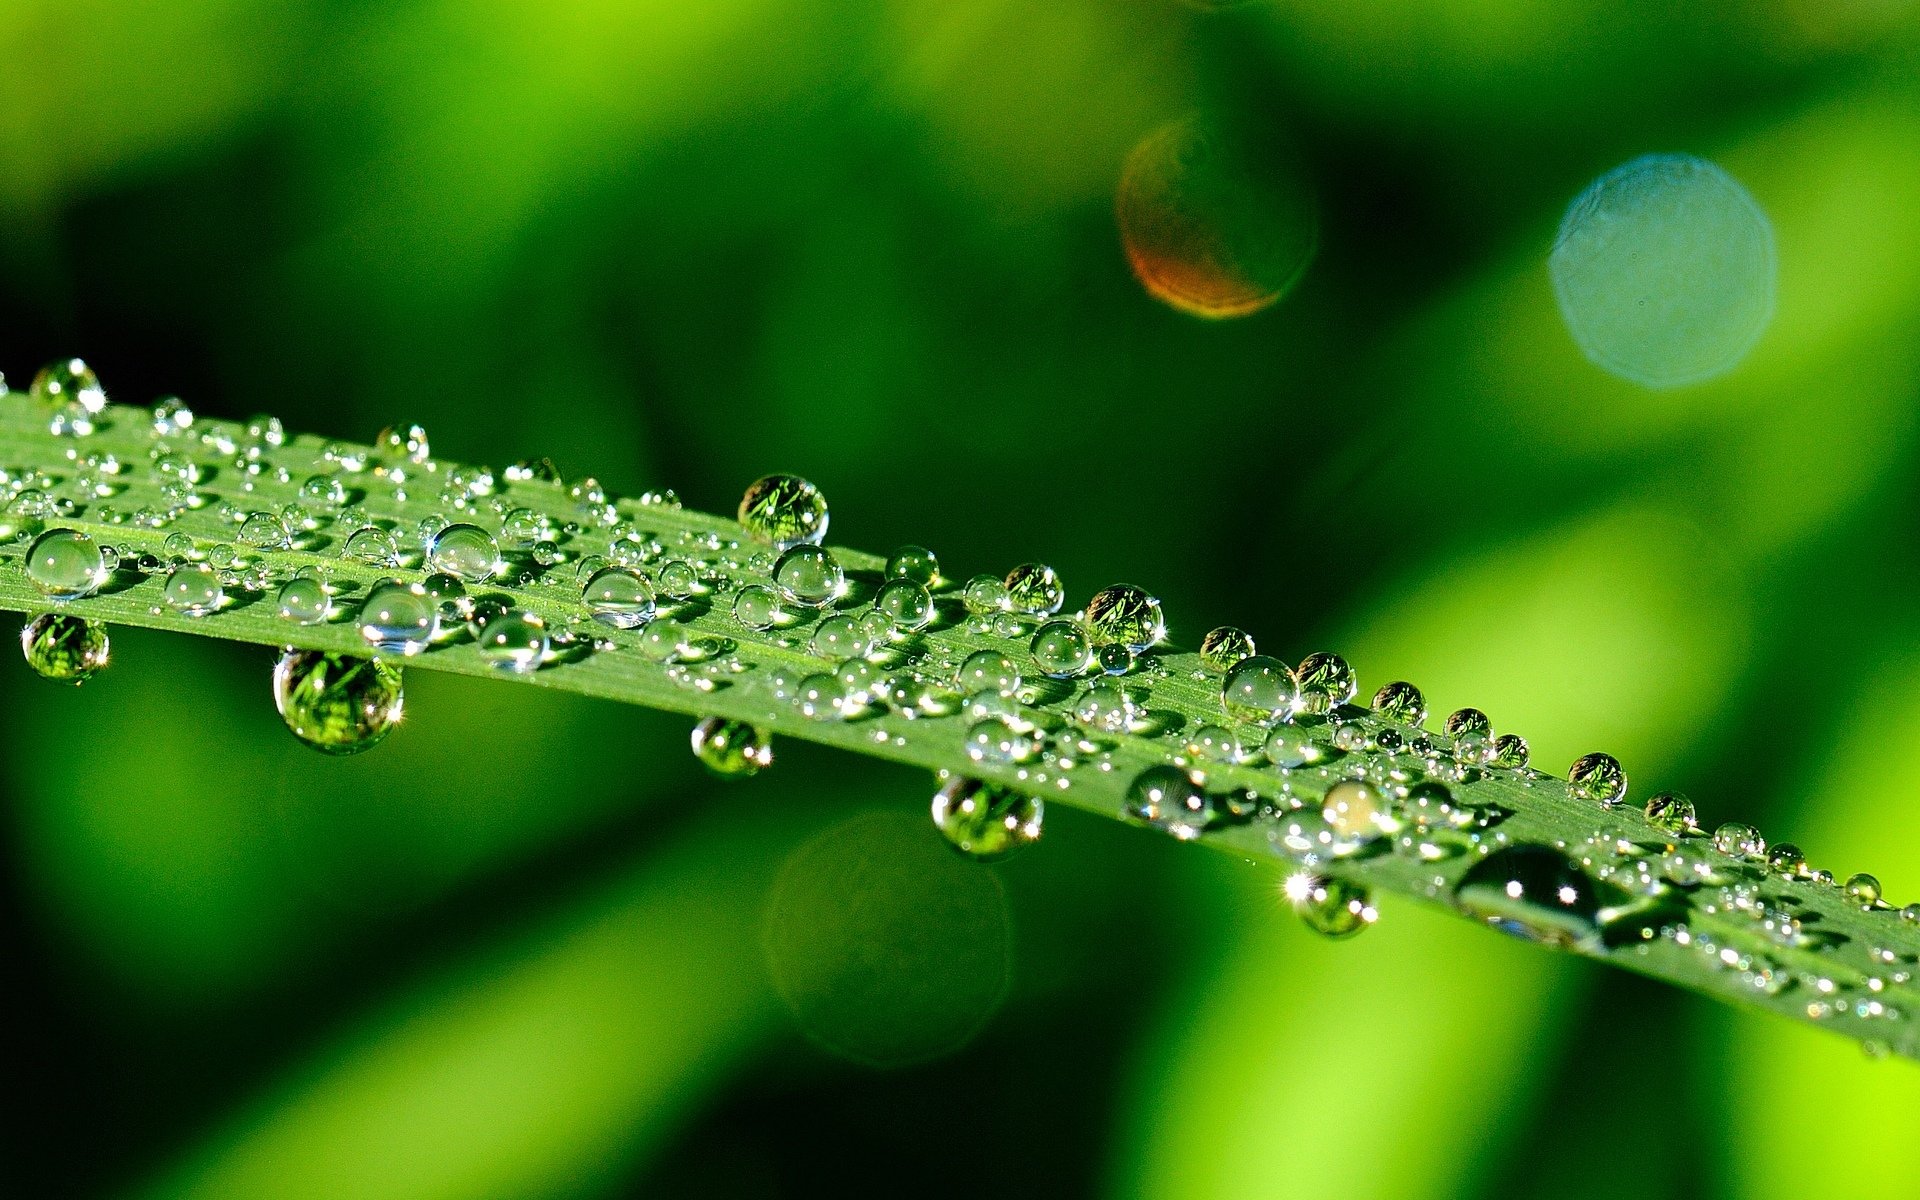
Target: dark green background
[{"x": 516, "y": 950}]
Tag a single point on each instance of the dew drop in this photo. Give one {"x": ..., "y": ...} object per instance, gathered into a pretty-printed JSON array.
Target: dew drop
[
  {"x": 1210, "y": 227},
  {"x": 1509, "y": 752},
  {"x": 916, "y": 563},
  {"x": 66, "y": 564},
  {"x": 399, "y": 618},
  {"x": 265, "y": 531},
  {"x": 512, "y": 641},
  {"x": 1532, "y": 892},
  {"x": 1671, "y": 812},
  {"x": 808, "y": 575},
  {"x": 996, "y": 741},
  {"x": 906, "y": 605},
  {"x": 194, "y": 589},
  {"x": 731, "y": 749},
  {"x": 1664, "y": 270},
  {"x": 336, "y": 703},
  {"x": 62, "y": 647},
  {"x": 986, "y": 821},
  {"x": 618, "y": 597},
  {"x": 372, "y": 545},
  {"x": 1126, "y": 615},
  {"x": 1863, "y": 889},
  {"x": 784, "y": 511},
  {"x": 1736, "y": 839},
  {"x": 69, "y": 381},
  {"x": 1331, "y": 907},
  {"x": 1599, "y": 778},
  {"x": 1326, "y": 682},
  {"x": 1402, "y": 702},
  {"x": 1259, "y": 689},
  {"x": 1061, "y": 649},
  {"x": 1225, "y": 646},
  {"x": 466, "y": 552},
  {"x": 989, "y": 670},
  {"x": 303, "y": 600},
  {"x": 1167, "y": 798},
  {"x": 1034, "y": 589}
]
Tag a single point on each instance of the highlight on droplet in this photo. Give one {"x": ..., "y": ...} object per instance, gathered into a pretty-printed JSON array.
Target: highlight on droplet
[
  {"x": 1664, "y": 270},
  {"x": 1213, "y": 224}
]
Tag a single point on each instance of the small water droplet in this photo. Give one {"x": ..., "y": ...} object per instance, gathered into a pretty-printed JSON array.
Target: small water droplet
[
  {"x": 194, "y": 589},
  {"x": 1863, "y": 889},
  {"x": 905, "y": 604},
  {"x": 731, "y": 749},
  {"x": 1061, "y": 649},
  {"x": 1532, "y": 892},
  {"x": 374, "y": 545},
  {"x": 1331, "y": 907},
  {"x": 1259, "y": 689},
  {"x": 1737, "y": 839},
  {"x": 1126, "y": 615},
  {"x": 1670, "y": 811},
  {"x": 1402, "y": 702},
  {"x": 1326, "y": 682},
  {"x": 985, "y": 820},
  {"x": 1168, "y": 799},
  {"x": 621, "y": 598},
  {"x": 916, "y": 563},
  {"x": 808, "y": 575},
  {"x": 303, "y": 600},
  {"x": 989, "y": 670},
  {"x": 513, "y": 641},
  {"x": 467, "y": 552},
  {"x": 69, "y": 381},
  {"x": 1033, "y": 589}
]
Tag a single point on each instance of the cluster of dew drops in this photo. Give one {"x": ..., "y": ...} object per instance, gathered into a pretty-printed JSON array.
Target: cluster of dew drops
[{"x": 1050, "y": 696}]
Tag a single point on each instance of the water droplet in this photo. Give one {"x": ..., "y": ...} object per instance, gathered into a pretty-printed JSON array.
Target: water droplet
[
  {"x": 66, "y": 564},
  {"x": 466, "y": 552},
  {"x": 372, "y": 545},
  {"x": 1664, "y": 269},
  {"x": 171, "y": 416},
  {"x": 1739, "y": 840},
  {"x": 1332, "y": 907},
  {"x": 731, "y": 749},
  {"x": 512, "y": 641},
  {"x": 1167, "y": 798},
  {"x": 69, "y": 381},
  {"x": 784, "y": 511},
  {"x": 807, "y": 575},
  {"x": 399, "y": 618},
  {"x": 1034, "y": 589},
  {"x": 303, "y": 600},
  {"x": 1599, "y": 778},
  {"x": 1210, "y": 226},
  {"x": 1326, "y": 682},
  {"x": 1468, "y": 722},
  {"x": 1509, "y": 752},
  {"x": 403, "y": 441},
  {"x": 906, "y": 605},
  {"x": 1357, "y": 812},
  {"x": 335, "y": 703},
  {"x": 63, "y": 647},
  {"x": 1402, "y": 702},
  {"x": 985, "y": 595},
  {"x": 1061, "y": 649},
  {"x": 996, "y": 741},
  {"x": 1106, "y": 707},
  {"x": 989, "y": 670},
  {"x": 1787, "y": 859},
  {"x": 1863, "y": 889},
  {"x": 1532, "y": 892},
  {"x": 1259, "y": 689},
  {"x": 1225, "y": 646},
  {"x": 916, "y": 563},
  {"x": 194, "y": 589},
  {"x": 1670, "y": 811},
  {"x": 618, "y": 597},
  {"x": 985, "y": 820},
  {"x": 1126, "y": 615},
  {"x": 265, "y": 531}
]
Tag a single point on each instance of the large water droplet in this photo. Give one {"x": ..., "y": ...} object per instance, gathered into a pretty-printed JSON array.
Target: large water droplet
[
  {"x": 784, "y": 511},
  {"x": 1326, "y": 682},
  {"x": 1664, "y": 270},
  {"x": 1168, "y": 799},
  {"x": 399, "y": 618},
  {"x": 1532, "y": 892},
  {"x": 809, "y": 576},
  {"x": 1061, "y": 649},
  {"x": 1259, "y": 689},
  {"x": 1126, "y": 615},
  {"x": 1211, "y": 227},
  {"x": 1671, "y": 812},
  {"x": 466, "y": 552},
  {"x": 69, "y": 381},
  {"x": 731, "y": 749},
  {"x": 1034, "y": 589},
  {"x": 303, "y": 600},
  {"x": 66, "y": 564},
  {"x": 63, "y": 647},
  {"x": 513, "y": 641},
  {"x": 334, "y": 703},
  {"x": 985, "y": 820},
  {"x": 1598, "y": 777},
  {"x": 194, "y": 588},
  {"x": 618, "y": 597}
]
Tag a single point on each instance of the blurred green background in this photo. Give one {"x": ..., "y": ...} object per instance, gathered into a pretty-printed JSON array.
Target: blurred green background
[{"x": 518, "y": 951}]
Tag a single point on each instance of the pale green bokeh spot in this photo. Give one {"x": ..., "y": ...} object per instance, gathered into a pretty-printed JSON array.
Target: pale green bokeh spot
[{"x": 1664, "y": 269}]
